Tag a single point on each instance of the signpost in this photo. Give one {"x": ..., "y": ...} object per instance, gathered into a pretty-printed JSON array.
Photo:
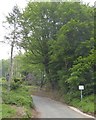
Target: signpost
[{"x": 81, "y": 87}]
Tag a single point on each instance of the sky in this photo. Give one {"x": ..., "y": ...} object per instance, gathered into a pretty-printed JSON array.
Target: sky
[{"x": 5, "y": 8}]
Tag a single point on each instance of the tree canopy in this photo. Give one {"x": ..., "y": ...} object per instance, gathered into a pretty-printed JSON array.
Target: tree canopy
[{"x": 59, "y": 39}]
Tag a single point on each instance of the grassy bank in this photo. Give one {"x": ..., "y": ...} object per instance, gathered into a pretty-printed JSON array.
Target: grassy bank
[
  {"x": 7, "y": 111},
  {"x": 17, "y": 103},
  {"x": 86, "y": 105}
]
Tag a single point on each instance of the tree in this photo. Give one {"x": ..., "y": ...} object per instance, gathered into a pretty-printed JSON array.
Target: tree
[
  {"x": 41, "y": 27},
  {"x": 83, "y": 72},
  {"x": 12, "y": 37},
  {"x": 51, "y": 34},
  {"x": 70, "y": 38}
]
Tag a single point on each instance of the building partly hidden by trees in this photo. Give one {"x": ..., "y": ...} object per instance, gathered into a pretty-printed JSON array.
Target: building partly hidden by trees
[{"x": 59, "y": 39}]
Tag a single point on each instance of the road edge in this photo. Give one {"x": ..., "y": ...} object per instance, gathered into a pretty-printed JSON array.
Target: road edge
[{"x": 77, "y": 110}]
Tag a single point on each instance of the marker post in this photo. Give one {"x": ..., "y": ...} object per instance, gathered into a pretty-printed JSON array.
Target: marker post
[{"x": 81, "y": 87}]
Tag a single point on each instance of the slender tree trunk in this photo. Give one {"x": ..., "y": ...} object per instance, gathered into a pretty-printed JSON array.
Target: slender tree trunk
[
  {"x": 11, "y": 59},
  {"x": 11, "y": 66}
]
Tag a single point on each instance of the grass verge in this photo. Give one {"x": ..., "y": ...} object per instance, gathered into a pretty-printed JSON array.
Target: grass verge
[
  {"x": 19, "y": 97},
  {"x": 7, "y": 111},
  {"x": 86, "y": 105}
]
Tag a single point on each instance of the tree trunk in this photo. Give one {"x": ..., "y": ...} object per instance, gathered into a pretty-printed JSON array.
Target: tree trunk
[{"x": 11, "y": 66}]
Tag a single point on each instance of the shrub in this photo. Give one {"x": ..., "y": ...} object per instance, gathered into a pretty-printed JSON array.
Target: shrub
[
  {"x": 19, "y": 97},
  {"x": 3, "y": 78},
  {"x": 15, "y": 85},
  {"x": 17, "y": 80}
]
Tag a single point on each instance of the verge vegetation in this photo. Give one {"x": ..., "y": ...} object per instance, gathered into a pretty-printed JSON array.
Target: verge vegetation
[{"x": 15, "y": 99}]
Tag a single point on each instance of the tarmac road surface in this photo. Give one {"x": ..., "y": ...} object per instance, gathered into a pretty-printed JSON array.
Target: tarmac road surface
[{"x": 49, "y": 108}]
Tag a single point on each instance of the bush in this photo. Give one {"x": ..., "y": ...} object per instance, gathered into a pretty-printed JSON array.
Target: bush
[
  {"x": 3, "y": 78},
  {"x": 17, "y": 80},
  {"x": 15, "y": 85},
  {"x": 19, "y": 97},
  {"x": 72, "y": 96}
]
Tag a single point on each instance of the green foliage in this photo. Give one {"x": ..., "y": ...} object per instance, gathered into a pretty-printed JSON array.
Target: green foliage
[
  {"x": 82, "y": 72},
  {"x": 18, "y": 65},
  {"x": 4, "y": 65},
  {"x": 17, "y": 80},
  {"x": 3, "y": 78},
  {"x": 86, "y": 105},
  {"x": 58, "y": 40},
  {"x": 7, "y": 111},
  {"x": 15, "y": 85},
  {"x": 19, "y": 97}
]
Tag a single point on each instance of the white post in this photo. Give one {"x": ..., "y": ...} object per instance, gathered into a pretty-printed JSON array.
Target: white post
[
  {"x": 81, "y": 87},
  {"x": 81, "y": 95}
]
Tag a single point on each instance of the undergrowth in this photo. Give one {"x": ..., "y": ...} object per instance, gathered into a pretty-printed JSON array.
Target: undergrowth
[{"x": 19, "y": 96}]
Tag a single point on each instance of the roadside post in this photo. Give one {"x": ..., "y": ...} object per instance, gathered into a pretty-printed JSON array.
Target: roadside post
[{"x": 81, "y": 87}]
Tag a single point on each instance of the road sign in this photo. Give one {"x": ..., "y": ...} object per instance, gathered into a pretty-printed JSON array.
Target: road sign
[{"x": 81, "y": 87}]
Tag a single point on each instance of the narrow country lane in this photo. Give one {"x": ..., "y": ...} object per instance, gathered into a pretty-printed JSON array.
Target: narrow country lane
[{"x": 49, "y": 108}]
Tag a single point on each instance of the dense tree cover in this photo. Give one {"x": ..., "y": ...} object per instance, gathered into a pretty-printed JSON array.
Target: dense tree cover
[{"x": 58, "y": 39}]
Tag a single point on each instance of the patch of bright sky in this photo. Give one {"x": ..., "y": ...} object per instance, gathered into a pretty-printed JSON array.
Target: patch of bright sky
[{"x": 5, "y": 8}]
